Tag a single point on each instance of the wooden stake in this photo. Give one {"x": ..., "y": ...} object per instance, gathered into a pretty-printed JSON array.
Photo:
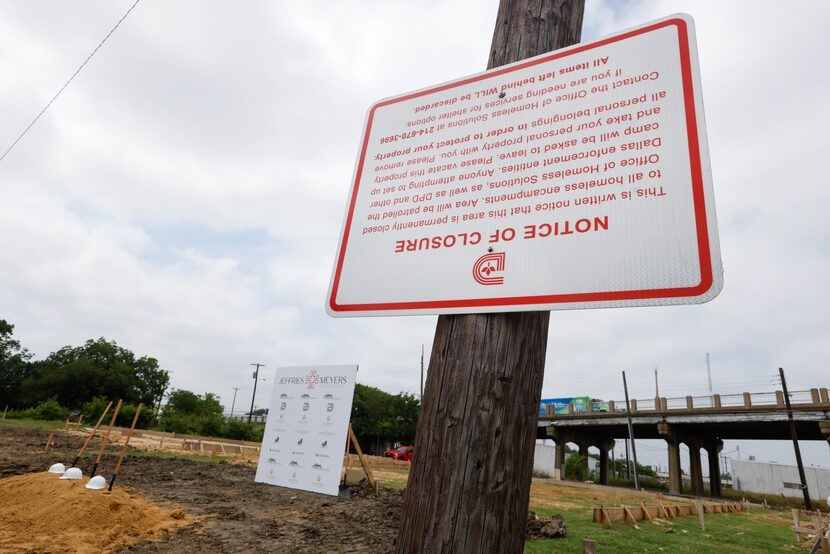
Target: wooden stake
[
  {"x": 49, "y": 441},
  {"x": 4, "y": 411},
  {"x": 346, "y": 459},
  {"x": 589, "y": 546},
  {"x": 124, "y": 448},
  {"x": 91, "y": 434},
  {"x": 368, "y": 471},
  {"x": 469, "y": 484},
  {"x": 796, "y": 524},
  {"x": 104, "y": 439},
  {"x": 700, "y": 509}
]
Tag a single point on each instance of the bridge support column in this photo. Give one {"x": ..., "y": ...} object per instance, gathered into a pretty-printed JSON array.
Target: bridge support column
[
  {"x": 675, "y": 474},
  {"x": 695, "y": 470},
  {"x": 561, "y": 438},
  {"x": 714, "y": 469},
  {"x": 559, "y": 459},
  {"x": 604, "y": 448},
  {"x": 824, "y": 427},
  {"x": 583, "y": 452}
]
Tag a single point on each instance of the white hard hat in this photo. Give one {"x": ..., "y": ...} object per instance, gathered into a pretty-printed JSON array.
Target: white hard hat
[
  {"x": 72, "y": 473},
  {"x": 97, "y": 483},
  {"x": 57, "y": 468}
]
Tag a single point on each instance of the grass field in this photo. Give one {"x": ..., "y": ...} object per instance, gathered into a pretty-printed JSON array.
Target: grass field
[{"x": 756, "y": 531}]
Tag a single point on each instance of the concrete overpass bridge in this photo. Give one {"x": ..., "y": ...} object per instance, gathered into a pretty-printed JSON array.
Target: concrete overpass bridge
[{"x": 701, "y": 423}]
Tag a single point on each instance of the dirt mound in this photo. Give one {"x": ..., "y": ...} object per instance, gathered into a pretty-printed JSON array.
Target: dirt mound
[{"x": 41, "y": 513}]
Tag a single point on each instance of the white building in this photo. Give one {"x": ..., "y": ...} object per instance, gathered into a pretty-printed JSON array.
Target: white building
[{"x": 779, "y": 479}]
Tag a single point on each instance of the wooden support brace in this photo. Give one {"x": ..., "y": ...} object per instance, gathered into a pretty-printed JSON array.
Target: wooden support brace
[
  {"x": 605, "y": 515},
  {"x": 629, "y": 515},
  {"x": 646, "y": 515}
]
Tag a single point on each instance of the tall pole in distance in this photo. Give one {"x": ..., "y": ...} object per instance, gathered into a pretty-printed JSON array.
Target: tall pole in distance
[
  {"x": 253, "y": 396},
  {"x": 709, "y": 375},
  {"x": 233, "y": 403},
  {"x": 656, "y": 388},
  {"x": 807, "y": 504},
  {"x": 469, "y": 484},
  {"x": 631, "y": 431}
]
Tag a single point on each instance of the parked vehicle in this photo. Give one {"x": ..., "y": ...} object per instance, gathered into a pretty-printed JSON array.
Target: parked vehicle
[{"x": 403, "y": 453}]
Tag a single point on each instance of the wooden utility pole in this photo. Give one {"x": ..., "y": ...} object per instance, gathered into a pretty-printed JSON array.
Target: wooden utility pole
[
  {"x": 794, "y": 436},
  {"x": 631, "y": 430},
  {"x": 469, "y": 485}
]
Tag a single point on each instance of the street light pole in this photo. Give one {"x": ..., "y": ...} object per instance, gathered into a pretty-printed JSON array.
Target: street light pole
[{"x": 253, "y": 396}]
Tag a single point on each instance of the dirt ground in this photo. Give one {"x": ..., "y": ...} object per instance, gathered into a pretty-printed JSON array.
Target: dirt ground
[{"x": 243, "y": 516}]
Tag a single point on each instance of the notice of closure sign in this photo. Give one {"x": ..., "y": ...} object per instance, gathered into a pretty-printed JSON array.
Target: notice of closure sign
[{"x": 575, "y": 179}]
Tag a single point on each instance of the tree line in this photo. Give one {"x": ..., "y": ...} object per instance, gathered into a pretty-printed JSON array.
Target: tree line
[{"x": 82, "y": 379}]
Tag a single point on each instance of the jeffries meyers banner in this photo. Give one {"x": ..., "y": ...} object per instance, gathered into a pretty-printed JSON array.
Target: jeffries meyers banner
[
  {"x": 306, "y": 428},
  {"x": 575, "y": 179}
]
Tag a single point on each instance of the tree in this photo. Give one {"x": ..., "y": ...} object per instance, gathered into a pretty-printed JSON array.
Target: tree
[
  {"x": 75, "y": 375},
  {"x": 575, "y": 467},
  {"x": 379, "y": 417},
  {"x": 14, "y": 367},
  {"x": 188, "y": 412}
]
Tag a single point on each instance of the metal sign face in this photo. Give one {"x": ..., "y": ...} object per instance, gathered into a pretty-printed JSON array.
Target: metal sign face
[{"x": 575, "y": 179}]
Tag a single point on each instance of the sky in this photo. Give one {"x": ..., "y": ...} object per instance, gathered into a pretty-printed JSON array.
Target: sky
[{"x": 184, "y": 194}]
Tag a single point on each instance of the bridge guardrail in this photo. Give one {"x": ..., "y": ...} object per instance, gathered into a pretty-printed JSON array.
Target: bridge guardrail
[{"x": 818, "y": 397}]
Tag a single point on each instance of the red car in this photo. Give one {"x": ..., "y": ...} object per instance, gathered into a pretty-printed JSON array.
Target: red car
[{"x": 403, "y": 453}]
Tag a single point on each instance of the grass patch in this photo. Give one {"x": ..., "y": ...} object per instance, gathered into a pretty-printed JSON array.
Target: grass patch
[
  {"x": 755, "y": 531},
  {"x": 36, "y": 423}
]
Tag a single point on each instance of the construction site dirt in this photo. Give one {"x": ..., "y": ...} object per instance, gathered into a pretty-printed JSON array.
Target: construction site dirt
[{"x": 237, "y": 514}]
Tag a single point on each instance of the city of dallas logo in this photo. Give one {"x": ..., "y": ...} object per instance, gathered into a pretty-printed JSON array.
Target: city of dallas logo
[
  {"x": 313, "y": 378},
  {"x": 488, "y": 268}
]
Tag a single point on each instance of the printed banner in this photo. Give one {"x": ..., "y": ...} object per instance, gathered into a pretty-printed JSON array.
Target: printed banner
[{"x": 306, "y": 428}]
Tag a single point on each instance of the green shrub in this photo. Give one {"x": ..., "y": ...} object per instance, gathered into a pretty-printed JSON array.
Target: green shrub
[
  {"x": 93, "y": 409},
  {"x": 211, "y": 426},
  {"x": 146, "y": 419},
  {"x": 242, "y": 431},
  {"x": 50, "y": 409},
  {"x": 175, "y": 423}
]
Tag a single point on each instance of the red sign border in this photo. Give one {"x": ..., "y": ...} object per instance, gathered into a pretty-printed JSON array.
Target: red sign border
[{"x": 704, "y": 250}]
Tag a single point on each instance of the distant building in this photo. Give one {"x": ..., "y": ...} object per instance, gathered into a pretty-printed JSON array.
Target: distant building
[
  {"x": 543, "y": 462},
  {"x": 779, "y": 479}
]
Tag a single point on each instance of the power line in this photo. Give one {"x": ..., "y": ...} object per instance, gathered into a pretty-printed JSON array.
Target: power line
[{"x": 26, "y": 130}]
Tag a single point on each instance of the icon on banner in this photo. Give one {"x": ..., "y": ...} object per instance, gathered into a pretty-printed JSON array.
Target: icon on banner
[
  {"x": 488, "y": 268},
  {"x": 312, "y": 378}
]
